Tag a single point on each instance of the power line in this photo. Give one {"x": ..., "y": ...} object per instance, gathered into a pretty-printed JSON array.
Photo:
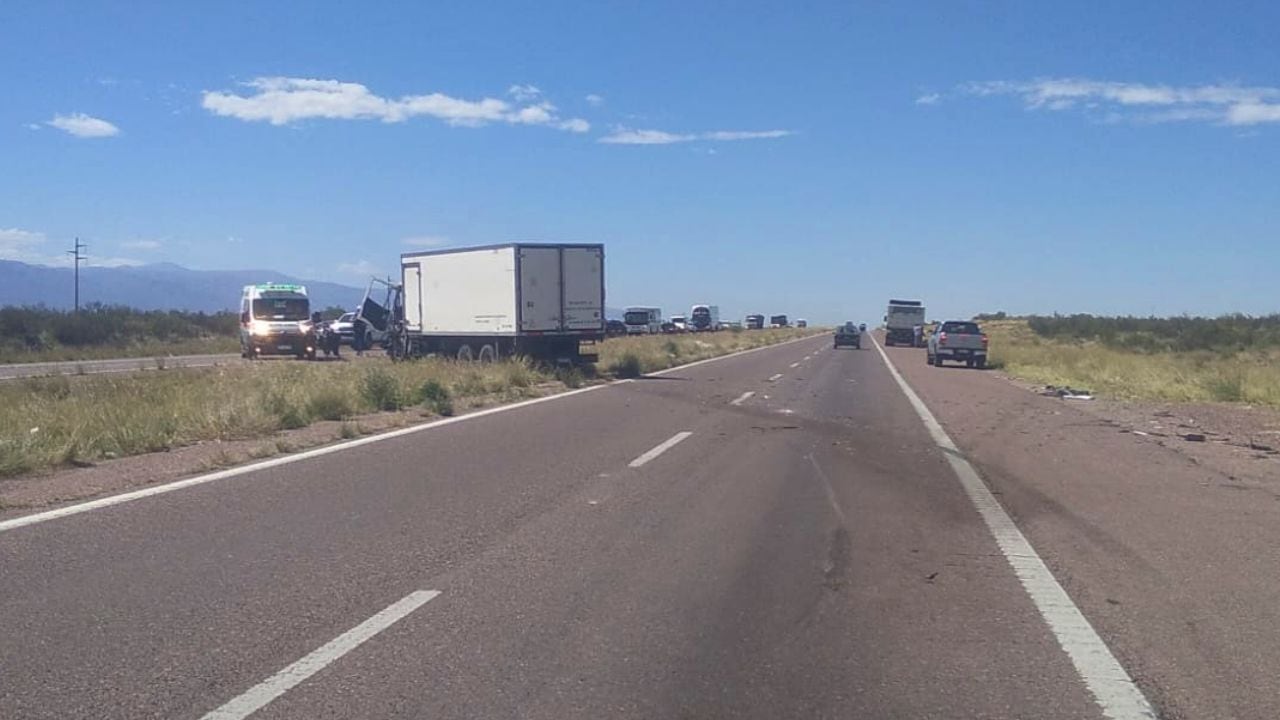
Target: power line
[{"x": 78, "y": 255}]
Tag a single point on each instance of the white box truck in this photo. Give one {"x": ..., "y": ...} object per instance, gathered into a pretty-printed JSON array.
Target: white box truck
[
  {"x": 901, "y": 320},
  {"x": 544, "y": 301},
  {"x": 642, "y": 320}
]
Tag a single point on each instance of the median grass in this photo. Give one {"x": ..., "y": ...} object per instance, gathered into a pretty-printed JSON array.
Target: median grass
[
  {"x": 59, "y": 421},
  {"x": 1223, "y": 375}
]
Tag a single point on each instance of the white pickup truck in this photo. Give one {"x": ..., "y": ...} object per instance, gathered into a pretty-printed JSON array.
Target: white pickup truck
[{"x": 959, "y": 341}]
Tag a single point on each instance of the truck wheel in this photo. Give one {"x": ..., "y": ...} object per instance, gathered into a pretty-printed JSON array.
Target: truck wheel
[
  {"x": 930, "y": 360},
  {"x": 487, "y": 354},
  {"x": 981, "y": 364},
  {"x": 464, "y": 354},
  {"x": 968, "y": 363}
]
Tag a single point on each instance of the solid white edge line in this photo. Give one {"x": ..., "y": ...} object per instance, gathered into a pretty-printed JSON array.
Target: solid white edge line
[
  {"x": 743, "y": 397},
  {"x": 662, "y": 447},
  {"x": 1114, "y": 690},
  {"x": 76, "y": 509},
  {"x": 258, "y": 696}
]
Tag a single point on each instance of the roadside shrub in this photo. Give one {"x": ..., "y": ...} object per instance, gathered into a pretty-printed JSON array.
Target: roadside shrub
[
  {"x": 54, "y": 387},
  {"x": 435, "y": 397},
  {"x": 672, "y": 348},
  {"x": 571, "y": 377},
  {"x": 1227, "y": 388},
  {"x": 380, "y": 390},
  {"x": 628, "y": 365},
  {"x": 520, "y": 374},
  {"x": 329, "y": 405}
]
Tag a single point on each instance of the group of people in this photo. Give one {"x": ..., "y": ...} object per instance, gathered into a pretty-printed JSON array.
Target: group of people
[{"x": 329, "y": 341}]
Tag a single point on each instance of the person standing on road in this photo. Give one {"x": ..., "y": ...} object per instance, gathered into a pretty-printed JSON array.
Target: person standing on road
[{"x": 357, "y": 337}]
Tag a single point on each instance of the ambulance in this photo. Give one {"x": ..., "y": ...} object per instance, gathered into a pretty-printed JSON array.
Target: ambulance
[{"x": 275, "y": 319}]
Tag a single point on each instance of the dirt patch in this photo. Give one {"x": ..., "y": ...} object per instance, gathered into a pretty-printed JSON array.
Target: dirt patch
[
  {"x": 1241, "y": 442},
  {"x": 22, "y": 494}
]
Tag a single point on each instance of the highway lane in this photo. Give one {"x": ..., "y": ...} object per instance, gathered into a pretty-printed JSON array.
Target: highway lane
[
  {"x": 803, "y": 552},
  {"x": 118, "y": 365}
]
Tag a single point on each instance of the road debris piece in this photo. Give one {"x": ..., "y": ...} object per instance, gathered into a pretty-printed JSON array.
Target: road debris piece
[
  {"x": 1194, "y": 437},
  {"x": 1066, "y": 393}
]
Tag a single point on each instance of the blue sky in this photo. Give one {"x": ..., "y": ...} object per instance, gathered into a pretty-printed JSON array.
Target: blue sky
[{"x": 807, "y": 158}]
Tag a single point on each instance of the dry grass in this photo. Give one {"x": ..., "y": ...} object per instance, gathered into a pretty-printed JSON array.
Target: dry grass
[
  {"x": 1201, "y": 376},
  {"x": 630, "y": 356},
  {"x": 57, "y": 421},
  {"x": 143, "y": 350}
]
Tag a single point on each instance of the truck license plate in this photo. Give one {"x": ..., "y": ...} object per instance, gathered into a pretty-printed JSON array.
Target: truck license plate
[{"x": 284, "y": 347}]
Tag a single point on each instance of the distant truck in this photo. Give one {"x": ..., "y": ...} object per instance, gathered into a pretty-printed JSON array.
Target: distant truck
[
  {"x": 543, "y": 301},
  {"x": 778, "y": 321},
  {"x": 901, "y": 320},
  {"x": 679, "y": 323},
  {"x": 643, "y": 320},
  {"x": 802, "y": 323},
  {"x": 959, "y": 341},
  {"x": 275, "y": 319},
  {"x": 704, "y": 318},
  {"x": 755, "y": 322}
]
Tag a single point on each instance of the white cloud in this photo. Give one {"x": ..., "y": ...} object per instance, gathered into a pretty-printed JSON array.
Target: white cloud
[
  {"x": 577, "y": 125},
  {"x": 425, "y": 241},
  {"x": 1253, "y": 113},
  {"x": 283, "y": 100},
  {"x": 628, "y": 136},
  {"x": 594, "y": 100},
  {"x": 731, "y": 135},
  {"x": 1223, "y": 104},
  {"x": 83, "y": 126},
  {"x": 16, "y": 244},
  {"x": 524, "y": 93},
  {"x": 141, "y": 244},
  {"x": 34, "y": 126},
  {"x": 360, "y": 268},
  {"x": 929, "y": 99},
  {"x": 32, "y": 248}
]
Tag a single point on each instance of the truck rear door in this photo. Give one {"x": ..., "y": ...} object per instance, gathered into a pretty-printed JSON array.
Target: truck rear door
[
  {"x": 539, "y": 289},
  {"x": 411, "y": 278},
  {"x": 583, "y": 288}
]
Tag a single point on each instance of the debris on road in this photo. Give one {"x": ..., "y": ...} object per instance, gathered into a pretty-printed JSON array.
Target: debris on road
[
  {"x": 1066, "y": 393},
  {"x": 1194, "y": 437}
]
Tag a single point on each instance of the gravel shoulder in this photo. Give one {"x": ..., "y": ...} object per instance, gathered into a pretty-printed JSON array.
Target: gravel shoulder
[{"x": 1168, "y": 545}]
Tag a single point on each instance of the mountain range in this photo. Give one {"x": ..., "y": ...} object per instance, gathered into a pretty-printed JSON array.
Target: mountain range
[{"x": 160, "y": 286}]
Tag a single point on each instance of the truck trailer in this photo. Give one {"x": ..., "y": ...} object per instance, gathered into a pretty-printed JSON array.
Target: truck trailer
[
  {"x": 543, "y": 301},
  {"x": 901, "y": 320}
]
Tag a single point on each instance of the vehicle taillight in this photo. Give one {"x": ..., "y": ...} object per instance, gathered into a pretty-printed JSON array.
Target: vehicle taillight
[
  {"x": 985, "y": 339},
  {"x": 942, "y": 338}
]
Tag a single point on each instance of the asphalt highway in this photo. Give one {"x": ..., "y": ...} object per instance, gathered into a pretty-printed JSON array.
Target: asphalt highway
[{"x": 776, "y": 534}]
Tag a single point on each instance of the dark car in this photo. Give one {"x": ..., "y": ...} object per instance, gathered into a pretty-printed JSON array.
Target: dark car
[
  {"x": 848, "y": 335},
  {"x": 613, "y": 328}
]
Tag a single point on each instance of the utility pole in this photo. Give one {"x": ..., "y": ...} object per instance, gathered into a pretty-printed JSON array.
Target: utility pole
[{"x": 78, "y": 255}]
